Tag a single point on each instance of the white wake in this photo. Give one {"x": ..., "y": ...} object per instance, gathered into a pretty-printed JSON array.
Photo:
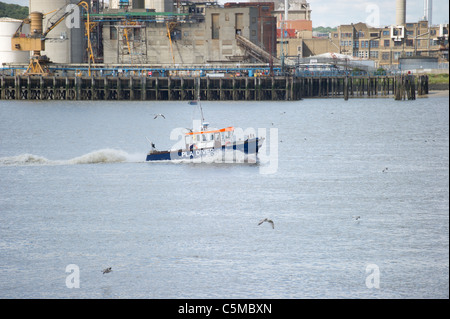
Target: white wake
[{"x": 95, "y": 157}]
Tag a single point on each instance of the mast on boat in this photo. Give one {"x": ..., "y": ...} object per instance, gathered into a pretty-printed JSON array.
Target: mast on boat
[
  {"x": 198, "y": 99},
  {"x": 204, "y": 124}
]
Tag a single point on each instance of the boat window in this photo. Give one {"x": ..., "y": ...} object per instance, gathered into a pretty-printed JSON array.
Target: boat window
[
  {"x": 217, "y": 136},
  {"x": 204, "y": 137}
]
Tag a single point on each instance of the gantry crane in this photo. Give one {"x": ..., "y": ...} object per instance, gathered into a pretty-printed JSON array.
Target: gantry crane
[{"x": 35, "y": 41}]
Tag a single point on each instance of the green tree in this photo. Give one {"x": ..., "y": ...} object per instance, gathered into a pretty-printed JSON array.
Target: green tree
[
  {"x": 324, "y": 29},
  {"x": 14, "y": 11}
]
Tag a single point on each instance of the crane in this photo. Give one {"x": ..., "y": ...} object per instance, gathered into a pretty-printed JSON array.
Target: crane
[
  {"x": 35, "y": 41},
  {"x": 170, "y": 28}
]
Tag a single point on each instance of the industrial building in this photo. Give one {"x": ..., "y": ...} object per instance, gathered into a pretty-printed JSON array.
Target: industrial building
[
  {"x": 164, "y": 32},
  {"x": 200, "y": 33},
  {"x": 388, "y": 44},
  {"x": 385, "y": 45},
  {"x": 155, "y": 50}
]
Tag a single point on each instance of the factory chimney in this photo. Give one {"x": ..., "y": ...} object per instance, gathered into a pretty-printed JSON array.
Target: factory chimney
[
  {"x": 286, "y": 9},
  {"x": 400, "y": 13},
  {"x": 427, "y": 10}
]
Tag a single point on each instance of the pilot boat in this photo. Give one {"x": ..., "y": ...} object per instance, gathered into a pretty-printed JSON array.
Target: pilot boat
[{"x": 206, "y": 143}]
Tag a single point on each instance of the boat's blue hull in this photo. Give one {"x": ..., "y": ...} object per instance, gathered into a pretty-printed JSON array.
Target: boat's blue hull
[{"x": 250, "y": 146}]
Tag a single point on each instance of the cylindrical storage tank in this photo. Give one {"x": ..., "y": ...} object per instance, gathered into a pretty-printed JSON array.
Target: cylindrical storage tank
[
  {"x": 400, "y": 12},
  {"x": 8, "y": 27},
  {"x": 65, "y": 43},
  {"x": 36, "y": 22}
]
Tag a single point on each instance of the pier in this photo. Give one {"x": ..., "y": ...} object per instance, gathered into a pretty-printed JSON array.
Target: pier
[
  {"x": 263, "y": 88},
  {"x": 400, "y": 87}
]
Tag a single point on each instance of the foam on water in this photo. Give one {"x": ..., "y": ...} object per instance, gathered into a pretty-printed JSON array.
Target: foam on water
[
  {"x": 24, "y": 159},
  {"x": 120, "y": 156},
  {"x": 95, "y": 157}
]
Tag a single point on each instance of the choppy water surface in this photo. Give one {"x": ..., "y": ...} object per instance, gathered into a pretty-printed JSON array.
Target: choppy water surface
[{"x": 75, "y": 189}]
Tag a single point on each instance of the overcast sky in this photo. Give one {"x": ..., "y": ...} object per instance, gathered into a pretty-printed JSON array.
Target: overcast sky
[{"x": 335, "y": 12}]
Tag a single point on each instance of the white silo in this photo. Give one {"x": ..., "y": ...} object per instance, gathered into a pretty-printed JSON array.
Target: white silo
[
  {"x": 65, "y": 43},
  {"x": 400, "y": 12},
  {"x": 8, "y": 27},
  {"x": 159, "y": 5}
]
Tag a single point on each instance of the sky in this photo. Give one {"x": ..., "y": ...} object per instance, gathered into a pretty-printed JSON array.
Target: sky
[{"x": 331, "y": 13}]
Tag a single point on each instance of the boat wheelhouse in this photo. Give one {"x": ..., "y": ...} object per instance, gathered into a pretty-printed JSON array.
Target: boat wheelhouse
[{"x": 210, "y": 138}]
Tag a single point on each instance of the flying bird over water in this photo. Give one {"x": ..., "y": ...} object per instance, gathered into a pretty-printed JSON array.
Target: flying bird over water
[
  {"x": 106, "y": 270},
  {"x": 267, "y": 220},
  {"x": 162, "y": 115},
  {"x": 356, "y": 217}
]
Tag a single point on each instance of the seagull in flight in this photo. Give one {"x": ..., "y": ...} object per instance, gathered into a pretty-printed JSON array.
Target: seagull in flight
[
  {"x": 356, "y": 217},
  {"x": 267, "y": 220},
  {"x": 106, "y": 270},
  {"x": 162, "y": 115}
]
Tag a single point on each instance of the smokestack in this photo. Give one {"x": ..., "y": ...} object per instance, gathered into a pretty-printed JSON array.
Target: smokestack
[
  {"x": 400, "y": 13},
  {"x": 427, "y": 10},
  {"x": 286, "y": 8}
]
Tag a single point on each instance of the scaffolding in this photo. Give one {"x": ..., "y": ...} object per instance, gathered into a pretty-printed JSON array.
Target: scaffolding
[{"x": 131, "y": 42}]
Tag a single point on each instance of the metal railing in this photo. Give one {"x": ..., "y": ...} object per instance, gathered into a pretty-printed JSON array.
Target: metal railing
[{"x": 343, "y": 73}]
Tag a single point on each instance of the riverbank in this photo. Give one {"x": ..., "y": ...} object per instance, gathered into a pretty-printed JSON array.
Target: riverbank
[
  {"x": 438, "y": 81},
  {"x": 438, "y": 93},
  {"x": 438, "y": 86}
]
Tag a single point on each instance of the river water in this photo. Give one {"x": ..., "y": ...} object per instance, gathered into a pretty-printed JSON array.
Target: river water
[{"x": 76, "y": 196}]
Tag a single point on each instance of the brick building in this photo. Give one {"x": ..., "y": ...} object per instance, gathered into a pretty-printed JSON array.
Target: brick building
[{"x": 388, "y": 44}]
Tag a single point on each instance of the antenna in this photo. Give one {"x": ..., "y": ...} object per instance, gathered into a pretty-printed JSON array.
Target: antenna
[{"x": 198, "y": 99}]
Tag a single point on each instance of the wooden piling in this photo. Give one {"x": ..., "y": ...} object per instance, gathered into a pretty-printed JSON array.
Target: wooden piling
[{"x": 346, "y": 88}]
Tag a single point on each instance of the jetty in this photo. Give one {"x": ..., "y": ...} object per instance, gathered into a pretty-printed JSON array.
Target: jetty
[{"x": 236, "y": 88}]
